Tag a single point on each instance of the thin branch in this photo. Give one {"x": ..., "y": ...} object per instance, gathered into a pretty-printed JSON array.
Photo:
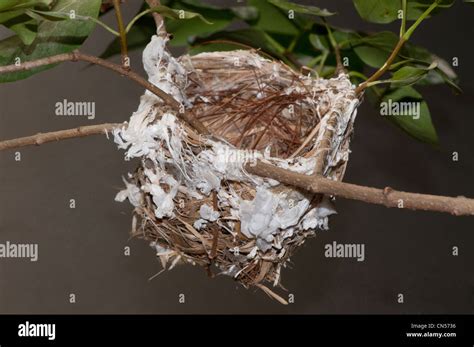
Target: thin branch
[
  {"x": 123, "y": 34},
  {"x": 40, "y": 138},
  {"x": 78, "y": 56},
  {"x": 337, "y": 51},
  {"x": 404, "y": 38},
  {"x": 316, "y": 184},
  {"x": 379, "y": 73},
  {"x": 388, "y": 197},
  {"x": 159, "y": 21},
  {"x": 403, "y": 26}
]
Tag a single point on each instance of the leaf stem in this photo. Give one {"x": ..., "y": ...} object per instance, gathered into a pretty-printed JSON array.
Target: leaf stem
[
  {"x": 403, "y": 27},
  {"x": 136, "y": 18},
  {"x": 335, "y": 45},
  {"x": 423, "y": 16},
  {"x": 322, "y": 62}
]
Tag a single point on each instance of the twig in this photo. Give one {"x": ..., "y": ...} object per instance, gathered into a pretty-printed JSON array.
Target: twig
[
  {"x": 272, "y": 294},
  {"x": 361, "y": 87},
  {"x": 337, "y": 51},
  {"x": 388, "y": 197},
  {"x": 404, "y": 37},
  {"x": 39, "y": 139},
  {"x": 78, "y": 56},
  {"x": 316, "y": 184},
  {"x": 123, "y": 34},
  {"x": 159, "y": 21},
  {"x": 403, "y": 26}
]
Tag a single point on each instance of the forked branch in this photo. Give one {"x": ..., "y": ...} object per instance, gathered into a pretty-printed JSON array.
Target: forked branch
[
  {"x": 123, "y": 34},
  {"x": 124, "y": 71},
  {"x": 404, "y": 37},
  {"x": 316, "y": 184}
]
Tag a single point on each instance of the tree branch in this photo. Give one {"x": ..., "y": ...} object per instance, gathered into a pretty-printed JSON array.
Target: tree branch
[
  {"x": 40, "y": 138},
  {"x": 379, "y": 73},
  {"x": 388, "y": 197},
  {"x": 159, "y": 21},
  {"x": 314, "y": 183},
  {"x": 78, "y": 56}
]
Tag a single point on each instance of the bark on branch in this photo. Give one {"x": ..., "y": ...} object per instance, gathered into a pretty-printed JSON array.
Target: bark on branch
[
  {"x": 388, "y": 197},
  {"x": 315, "y": 183},
  {"x": 40, "y": 138},
  {"x": 78, "y": 56},
  {"x": 159, "y": 21}
]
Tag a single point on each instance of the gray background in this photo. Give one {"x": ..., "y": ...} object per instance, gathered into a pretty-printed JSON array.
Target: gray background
[{"x": 81, "y": 250}]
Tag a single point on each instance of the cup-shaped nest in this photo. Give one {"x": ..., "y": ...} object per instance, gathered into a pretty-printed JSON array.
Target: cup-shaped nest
[{"x": 194, "y": 200}]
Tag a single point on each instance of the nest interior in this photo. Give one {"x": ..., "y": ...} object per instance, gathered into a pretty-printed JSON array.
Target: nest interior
[
  {"x": 249, "y": 106},
  {"x": 254, "y": 104}
]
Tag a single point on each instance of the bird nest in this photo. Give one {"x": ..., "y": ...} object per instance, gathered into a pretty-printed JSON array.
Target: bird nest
[{"x": 194, "y": 199}]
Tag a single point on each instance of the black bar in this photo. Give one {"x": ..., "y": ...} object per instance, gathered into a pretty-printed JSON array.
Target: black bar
[{"x": 154, "y": 330}]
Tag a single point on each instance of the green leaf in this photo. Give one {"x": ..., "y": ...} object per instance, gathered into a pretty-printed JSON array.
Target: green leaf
[
  {"x": 416, "y": 7},
  {"x": 26, "y": 31},
  {"x": 9, "y": 15},
  {"x": 272, "y": 20},
  {"x": 177, "y": 14},
  {"x": 185, "y": 30},
  {"x": 443, "y": 73},
  {"x": 14, "y": 16},
  {"x": 52, "y": 38},
  {"x": 246, "y": 13},
  {"x": 320, "y": 42},
  {"x": 387, "y": 11},
  {"x": 303, "y": 9},
  {"x": 47, "y": 15},
  {"x": 371, "y": 56},
  {"x": 8, "y": 5},
  {"x": 374, "y": 50},
  {"x": 419, "y": 126},
  {"x": 385, "y": 40},
  {"x": 408, "y": 75},
  {"x": 378, "y": 11}
]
